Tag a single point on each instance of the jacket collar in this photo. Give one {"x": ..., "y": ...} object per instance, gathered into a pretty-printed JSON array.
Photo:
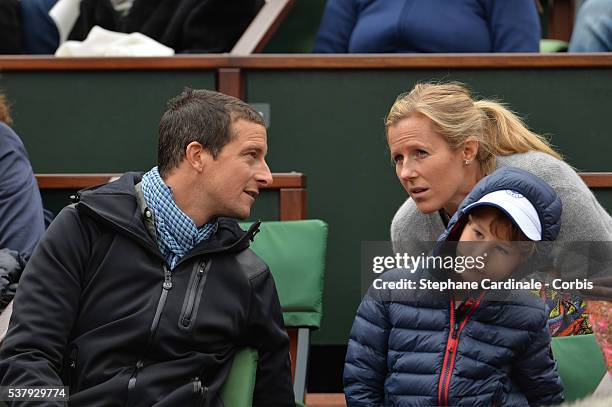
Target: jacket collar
[
  {"x": 116, "y": 204},
  {"x": 539, "y": 193}
]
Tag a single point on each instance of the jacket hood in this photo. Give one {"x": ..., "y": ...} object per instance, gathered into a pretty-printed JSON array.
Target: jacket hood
[
  {"x": 116, "y": 204},
  {"x": 543, "y": 198},
  {"x": 539, "y": 193}
]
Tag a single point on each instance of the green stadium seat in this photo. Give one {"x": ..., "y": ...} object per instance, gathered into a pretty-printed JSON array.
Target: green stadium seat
[
  {"x": 580, "y": 364},
  {"x": 237, "y": 391},
  {"x": 295, "y": 252},
  {"x": 550, "y": 46}
]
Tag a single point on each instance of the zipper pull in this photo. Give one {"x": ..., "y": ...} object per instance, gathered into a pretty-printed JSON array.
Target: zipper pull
[
  {"x": 167, "y": 279},
  {"x": 73, "y": 357},
  {"x": 197, "y": 385},
  {"x": 455, "y": 329}
]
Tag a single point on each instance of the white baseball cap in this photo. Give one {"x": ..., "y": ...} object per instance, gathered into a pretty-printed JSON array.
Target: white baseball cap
[{"x": 516, "y": 207}]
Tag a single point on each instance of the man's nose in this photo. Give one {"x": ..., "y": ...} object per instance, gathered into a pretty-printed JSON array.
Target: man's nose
[{"x": 264, "y": 176}]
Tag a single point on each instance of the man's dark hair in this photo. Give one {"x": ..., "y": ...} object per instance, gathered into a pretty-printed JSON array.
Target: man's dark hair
[{"x": 199, "y": 115}]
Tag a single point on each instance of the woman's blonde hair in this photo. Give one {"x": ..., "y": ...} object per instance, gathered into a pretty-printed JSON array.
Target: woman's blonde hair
[
  {"x": 456, "y": 116},
  {"x": 5, "y": 112}
]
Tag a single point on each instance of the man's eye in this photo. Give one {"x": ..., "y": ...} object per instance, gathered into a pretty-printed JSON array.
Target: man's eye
[
  {"x": 398, "y": 158},
  {"x": 421, "y": 153},
  {"x": 478, "y": 234}
]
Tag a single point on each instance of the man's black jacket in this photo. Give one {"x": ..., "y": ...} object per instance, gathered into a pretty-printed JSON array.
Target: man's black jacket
[{"x": 97, "y": 310}]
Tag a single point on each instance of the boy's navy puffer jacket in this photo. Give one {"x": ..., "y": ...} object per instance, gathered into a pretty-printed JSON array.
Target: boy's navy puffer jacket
[{"x": 420, "y": 351}]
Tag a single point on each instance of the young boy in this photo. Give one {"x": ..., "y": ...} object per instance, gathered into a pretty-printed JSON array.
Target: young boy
[{"x": 423, "y": 349}]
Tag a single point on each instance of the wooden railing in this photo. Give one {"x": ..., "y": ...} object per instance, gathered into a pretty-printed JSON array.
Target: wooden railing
[
  {"x": 291, "y": 188},
  {"x": 229, "y": 68}
]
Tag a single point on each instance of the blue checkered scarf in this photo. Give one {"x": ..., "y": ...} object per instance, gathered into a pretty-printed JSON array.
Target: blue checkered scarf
[{"x": 176, "y": 232}]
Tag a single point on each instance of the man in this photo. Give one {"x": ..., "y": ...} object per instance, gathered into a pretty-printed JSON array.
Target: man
[{"x": 140, "y": 293}]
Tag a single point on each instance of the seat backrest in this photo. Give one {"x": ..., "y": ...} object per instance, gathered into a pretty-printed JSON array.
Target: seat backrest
[
  {"x": 580, "y": 363},
  {"x": 295, "y": 252},
  {"x": 237, "y": 391}
]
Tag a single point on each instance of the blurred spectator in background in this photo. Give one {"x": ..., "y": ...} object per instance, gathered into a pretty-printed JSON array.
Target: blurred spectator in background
[
  {"x": 38, "y": 31},
  {"x": 10, "y": 40},
  {"x": 188, "y": 26},
  {"x": 21, "y": 213},
  {"x": 382, "y": 26},
  {"x": 593, "y": 27}
]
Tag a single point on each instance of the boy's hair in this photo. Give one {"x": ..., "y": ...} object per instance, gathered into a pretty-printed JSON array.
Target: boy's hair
[{"x": 504, "y": 229}]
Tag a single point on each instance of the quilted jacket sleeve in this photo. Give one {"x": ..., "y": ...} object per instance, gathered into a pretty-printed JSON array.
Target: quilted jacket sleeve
[
  {"x": 365, "y": 368},
  {"x": 536, "y": 372}
]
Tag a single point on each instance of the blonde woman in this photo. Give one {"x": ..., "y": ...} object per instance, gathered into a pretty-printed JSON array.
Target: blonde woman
[{"x": 443, "y": 141}]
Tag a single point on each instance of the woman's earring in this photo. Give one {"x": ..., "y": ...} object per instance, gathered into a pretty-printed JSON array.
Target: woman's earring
[{"x": 467, "y": 162}]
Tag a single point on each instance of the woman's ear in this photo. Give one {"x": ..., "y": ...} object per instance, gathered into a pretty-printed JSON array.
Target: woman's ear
[
  {"x": 470, "y": 148},
  {"x": 196, "y": 156}
]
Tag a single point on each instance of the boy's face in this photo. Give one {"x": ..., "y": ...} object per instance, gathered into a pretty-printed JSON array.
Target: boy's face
[{"x": 502, "y": 257}]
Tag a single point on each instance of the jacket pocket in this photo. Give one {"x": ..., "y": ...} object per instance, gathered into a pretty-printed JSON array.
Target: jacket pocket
[
  {"x": 192, "y": 393},
  {"x": 191, "y": 303}
]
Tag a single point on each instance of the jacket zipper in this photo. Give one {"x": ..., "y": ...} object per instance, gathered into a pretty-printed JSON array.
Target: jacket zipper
[
  {"x": 192, "y": 294},
  {"x": 166, "y": 286},
  {"x": 451, "y": 349},
  {"x": 72, "y": 364}
]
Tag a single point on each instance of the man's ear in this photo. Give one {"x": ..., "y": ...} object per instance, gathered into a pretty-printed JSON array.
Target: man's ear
[
  {"x": 197, "y": 156},
  {"x": 470, "y": 148}
]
